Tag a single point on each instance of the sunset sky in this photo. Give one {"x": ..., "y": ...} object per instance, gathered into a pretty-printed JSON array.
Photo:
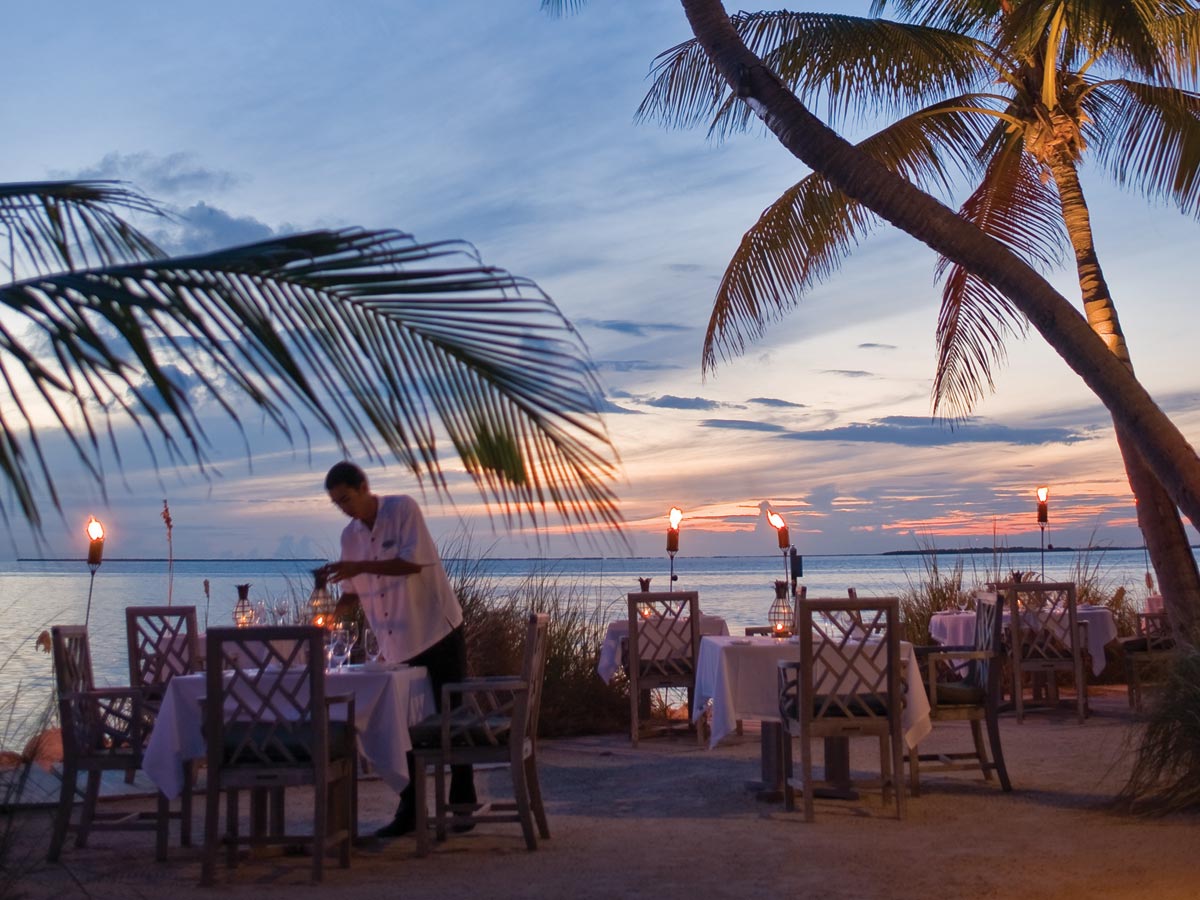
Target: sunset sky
[{"x": 489, "y": 121}]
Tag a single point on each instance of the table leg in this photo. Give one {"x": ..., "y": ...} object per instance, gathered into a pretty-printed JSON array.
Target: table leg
[
  {"x": 770, "y": 788},
  {"x": 838, "y": 785}
]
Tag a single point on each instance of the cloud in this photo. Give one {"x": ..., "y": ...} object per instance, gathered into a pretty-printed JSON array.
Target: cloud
[
  {"x": 850, "y": 373},
  {"x": 741, "y": 424},
  {"x": 772, "y": 401},
  {"x": 669, "y": 402},
  {"x": 631, "y": 328},
  {"x": 634, "y": 365},
  {"x": 914, "y": 431},
  {"x": 160, "y": 176},
  {"x": 203, "y": 228},
  {"x": 871, "y": 345}
]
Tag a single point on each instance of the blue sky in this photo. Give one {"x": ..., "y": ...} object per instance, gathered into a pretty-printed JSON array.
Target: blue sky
[{"x": 489, "y": 121}]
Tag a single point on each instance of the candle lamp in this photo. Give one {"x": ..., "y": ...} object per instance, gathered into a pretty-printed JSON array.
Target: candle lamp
[
  {"x": 320, "y": 603},
  {"x": 673, "y": 519},
  {"x": 95, "y": 533},
  {"x": 780, "y": 615},
  {"x": 243, "y": 613}
]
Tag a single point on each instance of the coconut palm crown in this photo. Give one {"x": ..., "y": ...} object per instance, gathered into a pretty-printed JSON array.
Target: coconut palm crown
[
  {"x": 386, "y": 343},
  {"x": 1003, "y": 93}
]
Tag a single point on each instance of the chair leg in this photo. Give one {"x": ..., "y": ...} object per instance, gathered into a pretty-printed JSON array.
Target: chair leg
[
  {"x": 806, "y": 766},
  {"x": 535, "y": 796},
  {"x": 320, "y": 825},
  {"x": 980, "y": 750},
  {"x": 208, "y": 863},
  {"x": 898, "y": 769},
  {"x": 521, "y": 796},
  {"x": 440, "y": 810},
  {"x": 993, "y": 727},
  {"x": 420, "y": 801},
  {"x": 887, "y": 778},
  {"x": 346, "y": 789},
  {"x": 1131, "y": 678},
  {"x": 185, "y": 804},
  {"x": 62, "y": 817},
  {"x": 789, "y": 792},
  {"x": 90, "y": 796},
  {"x": 161, "y": 825},
  {"x": 914, "y": 771},
  {"x": 231, "y": 829}
]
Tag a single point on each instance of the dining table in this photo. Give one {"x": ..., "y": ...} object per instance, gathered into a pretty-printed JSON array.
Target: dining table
[
  {"x": 957, "y": 629},
  {"x": 737, "y": 679},
  {"x": 616, "y": 636},
  {"x": 387, "y": 700}
]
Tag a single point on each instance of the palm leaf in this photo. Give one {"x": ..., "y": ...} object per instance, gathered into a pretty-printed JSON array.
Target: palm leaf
[
  {"x": 869, "y": 66},
  {"x": 50, "y": 226},
  {"x": 803, "y": 236},
  {"x": 1148, "y": 138},
  {"x": 370, "y": 334},
  {"x": 1013, "y": 205}
]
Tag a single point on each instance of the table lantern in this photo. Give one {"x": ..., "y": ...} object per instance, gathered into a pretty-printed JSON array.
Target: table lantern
[
  {"x": 243, "y": 614},
  {"x": 320, "y": 603},
  {"x": 780, "y": 615}
]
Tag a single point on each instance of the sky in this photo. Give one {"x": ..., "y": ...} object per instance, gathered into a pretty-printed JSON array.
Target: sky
[{"x": 489, "y": 121}]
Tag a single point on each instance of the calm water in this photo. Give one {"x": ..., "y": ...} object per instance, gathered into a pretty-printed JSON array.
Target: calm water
[{"x": 36, "y": 595}]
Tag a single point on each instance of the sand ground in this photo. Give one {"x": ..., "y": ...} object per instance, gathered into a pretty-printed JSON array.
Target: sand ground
[{"x": 671, "y": 819}]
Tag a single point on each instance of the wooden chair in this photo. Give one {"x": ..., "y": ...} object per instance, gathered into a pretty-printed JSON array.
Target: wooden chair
[
  {"x": 496, "y": 722},
  {"x": 103, "y": 730},
  {"x": 1153, "y": 647},
  {"x": 974, "y": 697},
  {"x": 843, "y": 687},
  {"x": 1045, "y": 639},
  {"x": 664, "y": 641},
  {"x": 767, "y": 630},
  {"x": 163, "y": 643},
  {"x": 268, "y": 726}
]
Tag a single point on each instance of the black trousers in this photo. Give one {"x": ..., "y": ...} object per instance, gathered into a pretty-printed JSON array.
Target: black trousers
[{"x": 446, "y": 661}]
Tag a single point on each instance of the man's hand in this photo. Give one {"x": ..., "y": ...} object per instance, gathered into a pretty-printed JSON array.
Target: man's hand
[{"x": 341, "y": 570}]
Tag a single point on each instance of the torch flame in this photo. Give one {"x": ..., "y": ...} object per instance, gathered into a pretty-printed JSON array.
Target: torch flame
[
  {"x": 1043, "y": 494},
  {"x": 775, "y": 519},
  {"x": 95, "y": 531},
  {"x": 676, "y": 516}
]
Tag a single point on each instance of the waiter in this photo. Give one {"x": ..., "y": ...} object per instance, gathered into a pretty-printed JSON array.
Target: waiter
[{"x": 391, "y": 568}]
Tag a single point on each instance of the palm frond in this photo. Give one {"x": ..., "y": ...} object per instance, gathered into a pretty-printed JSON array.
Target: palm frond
[
  {"x": 1013, "y": 205},
  {"x": 802, "y": 237},
  {"x": 857, "y": 65},
  {"x": 1148, "y": 138},
  {"x": 1179, "y": 36},
  {"x": 49, "y": 226},
  {"x": 964, "y": 16},
  {"x": 370, "y": 334}
]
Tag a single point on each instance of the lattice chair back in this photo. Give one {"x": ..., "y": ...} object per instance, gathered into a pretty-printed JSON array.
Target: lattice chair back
[
  {"x": 1048, "y": 625},
  {"x": 533, "y": 669},
  {"x": 162, "y": 643},
  {"x": 268, "y": 726},
  {"x": 664, "y": 634},
  {"x": 989, "y": 630},
  {"x": 94, "y": 723},
  {"x": 1155, "y": 627},
  {"x": 847, "y": 684}
]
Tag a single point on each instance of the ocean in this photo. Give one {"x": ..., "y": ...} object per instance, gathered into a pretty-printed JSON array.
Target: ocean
[{"x": 37, "y": 594}]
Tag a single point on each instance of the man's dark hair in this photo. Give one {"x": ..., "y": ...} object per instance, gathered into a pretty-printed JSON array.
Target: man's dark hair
[{"x": 346, "y": 474}]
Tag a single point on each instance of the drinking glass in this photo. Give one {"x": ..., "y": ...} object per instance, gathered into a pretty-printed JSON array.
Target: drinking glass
[
  {"x": 962, "y": 603},
  {"x": 339, "y": 647},
  {"x": 370, "y": 644},
  {"x": 282, "y": 609}
]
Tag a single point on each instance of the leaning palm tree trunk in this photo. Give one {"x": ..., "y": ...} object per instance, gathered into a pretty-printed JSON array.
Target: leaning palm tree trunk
[
  {"x": 1158, "y": 517},
  {"x": 1160, "y": 443}
]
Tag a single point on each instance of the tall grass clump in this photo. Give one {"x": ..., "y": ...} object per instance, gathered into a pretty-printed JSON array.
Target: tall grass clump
[
  {"x": 1166, "y": 771},
  {"x": 574, "y": 698},
  {"x": 929, "y": 591}
]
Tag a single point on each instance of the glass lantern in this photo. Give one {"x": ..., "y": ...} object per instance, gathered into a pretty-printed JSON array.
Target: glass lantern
[
  {"x": 320, "y": 602},
  {"x": 243, "y": 613},
  {"x": 780, "y": 615}
]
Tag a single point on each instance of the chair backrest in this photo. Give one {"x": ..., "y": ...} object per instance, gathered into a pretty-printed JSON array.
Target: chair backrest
[
  {"x": 1048, "y": 625},
  {"x": 1155, "y": 627},
  {"x": 162, "y": 643},
  {"x": 72, "y": 659},
  {"x": 664, "y": 633},
  {"x": 94, "y": 723},
  {"x": 533, "y": 669},
  {"x": 265, "y": 697},
  {"x": 989, "y": 629},
  {"x": 849, "y": 660}
]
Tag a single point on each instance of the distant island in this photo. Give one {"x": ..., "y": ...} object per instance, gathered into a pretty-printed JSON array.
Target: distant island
[{"x": 955, "y": 551}]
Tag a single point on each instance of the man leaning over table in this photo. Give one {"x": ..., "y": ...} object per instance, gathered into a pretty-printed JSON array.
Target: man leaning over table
[{"x": 391, "y": 568}]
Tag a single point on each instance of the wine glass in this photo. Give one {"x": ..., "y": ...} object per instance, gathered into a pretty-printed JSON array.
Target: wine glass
[
  {"x": 339, "y": 647},
  {"x": 281, "y": 609},
  {"x": 370, "y": 642},
  {"x": 962, "y": 602}
]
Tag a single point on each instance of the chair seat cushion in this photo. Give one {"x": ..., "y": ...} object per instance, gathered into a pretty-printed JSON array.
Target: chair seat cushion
[
  {"x": 959, "y": 693},
  {"x": 261, "y": 743},
  {"x": 465, "y": 731}
]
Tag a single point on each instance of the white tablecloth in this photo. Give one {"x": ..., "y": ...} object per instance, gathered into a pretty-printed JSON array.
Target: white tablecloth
[
  {"x": 618, "y": 633},
  {"x": 740, "y": 677},
  {"x": 958, "y": 629},
  {"x": 386, "y": 702}
]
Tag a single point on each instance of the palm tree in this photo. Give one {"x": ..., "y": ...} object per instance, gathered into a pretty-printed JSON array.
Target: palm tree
[
  {"x": 388, "y": 344},
  {"x": 1021, "y": 142}
]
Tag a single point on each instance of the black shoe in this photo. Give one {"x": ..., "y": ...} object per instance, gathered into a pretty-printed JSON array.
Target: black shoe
[
  {"x": 398, "y": 827},
  {"x": 464, "y": 827}
]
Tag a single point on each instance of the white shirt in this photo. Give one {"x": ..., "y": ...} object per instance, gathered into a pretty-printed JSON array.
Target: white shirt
[{"x": 408, "y": 613}]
